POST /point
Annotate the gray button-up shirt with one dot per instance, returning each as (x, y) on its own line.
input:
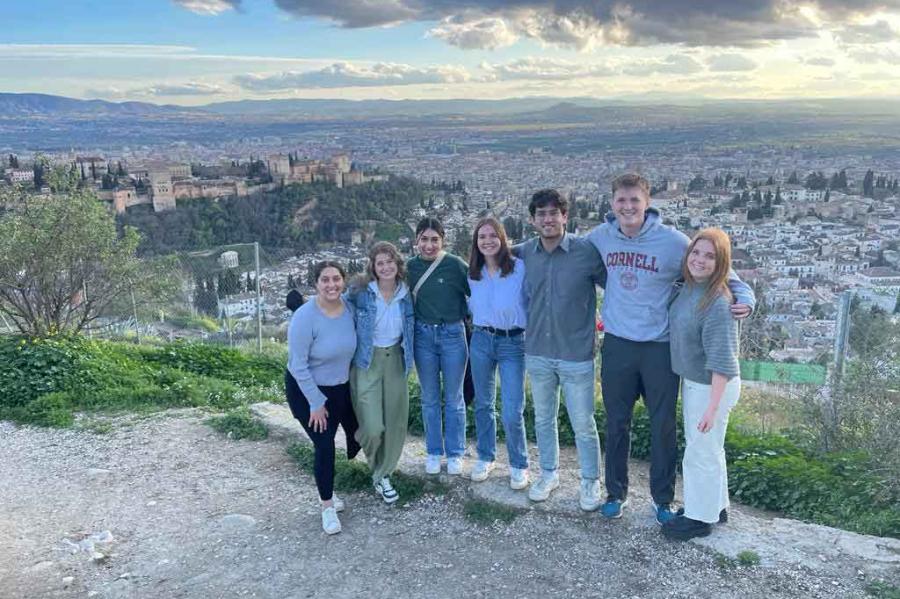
(562, 298)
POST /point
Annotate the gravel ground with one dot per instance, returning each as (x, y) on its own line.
(193, 514)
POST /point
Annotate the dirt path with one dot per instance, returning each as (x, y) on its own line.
(192, 514)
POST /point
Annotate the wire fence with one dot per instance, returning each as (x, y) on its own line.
(231, 295)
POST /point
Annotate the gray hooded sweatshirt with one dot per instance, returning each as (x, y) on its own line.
(641, 271)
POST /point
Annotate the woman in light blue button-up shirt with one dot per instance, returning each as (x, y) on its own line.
(498, 343)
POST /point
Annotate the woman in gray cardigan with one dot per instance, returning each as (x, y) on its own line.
(704, 351)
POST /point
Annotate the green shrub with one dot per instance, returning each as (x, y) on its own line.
(44, 381)
(748, 558)
(239, 424)
(219, 362)
(34, 367)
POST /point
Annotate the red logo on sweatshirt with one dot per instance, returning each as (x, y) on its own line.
(628, 280)
(631, 259)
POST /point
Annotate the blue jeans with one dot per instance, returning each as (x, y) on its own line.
(488, 353)
(577, 382)
(441, 352)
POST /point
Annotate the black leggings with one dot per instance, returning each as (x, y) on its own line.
(340, 412)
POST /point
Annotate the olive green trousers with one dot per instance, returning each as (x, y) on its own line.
(381, 402)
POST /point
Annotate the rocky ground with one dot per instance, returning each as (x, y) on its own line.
(163, 506)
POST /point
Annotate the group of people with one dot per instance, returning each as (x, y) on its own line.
(670, 312)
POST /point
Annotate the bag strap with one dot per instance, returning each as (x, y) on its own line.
(427, 274)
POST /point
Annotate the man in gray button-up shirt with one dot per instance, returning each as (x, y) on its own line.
(561, 272)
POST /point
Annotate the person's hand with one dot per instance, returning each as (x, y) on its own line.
(318, 420)
(708, 421)
(740, 311)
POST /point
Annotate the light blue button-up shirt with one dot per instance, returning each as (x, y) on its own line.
(499, 301)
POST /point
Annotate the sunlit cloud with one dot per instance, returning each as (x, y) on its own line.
(346, 74)
(208, 7)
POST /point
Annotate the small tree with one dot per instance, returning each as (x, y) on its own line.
(63, 263)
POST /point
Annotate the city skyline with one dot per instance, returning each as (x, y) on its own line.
(193, 52)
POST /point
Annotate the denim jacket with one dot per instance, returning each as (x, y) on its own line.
(363, 301)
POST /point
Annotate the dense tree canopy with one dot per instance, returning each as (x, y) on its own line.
(297, 216)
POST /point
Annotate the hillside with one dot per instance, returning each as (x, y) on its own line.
(298, 216)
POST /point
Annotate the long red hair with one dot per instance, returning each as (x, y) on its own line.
(718, 281)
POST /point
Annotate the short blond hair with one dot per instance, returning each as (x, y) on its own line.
(631, 180)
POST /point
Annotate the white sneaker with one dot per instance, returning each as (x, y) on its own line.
(432, 464)
(481, 470)
(330, 523)
(387, 490)
(454, 466)
(541, 488)
(589, 496)
(337, 503)
(518, 478)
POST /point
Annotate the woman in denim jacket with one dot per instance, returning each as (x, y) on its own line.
(384, 356)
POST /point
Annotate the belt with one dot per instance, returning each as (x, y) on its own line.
(501, 332)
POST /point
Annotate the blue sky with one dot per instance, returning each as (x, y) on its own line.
(199, 51)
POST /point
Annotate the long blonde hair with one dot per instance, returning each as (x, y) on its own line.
(718, 281)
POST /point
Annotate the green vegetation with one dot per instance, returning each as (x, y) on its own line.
(45, 381)
(239, 424)
(725, 562)
(354, 476)
(296, 216)
(63, 264)
(748, 558)
(882, 590)
(486, 513)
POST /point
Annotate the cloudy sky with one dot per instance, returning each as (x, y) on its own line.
(201, 51)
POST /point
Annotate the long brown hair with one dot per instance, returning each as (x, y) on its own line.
(476, 258)
(718, 281)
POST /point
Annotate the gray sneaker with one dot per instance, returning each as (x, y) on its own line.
(386, 490)
(330, 522)
(589, 495)
(541, 488)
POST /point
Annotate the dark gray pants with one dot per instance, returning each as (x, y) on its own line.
(631, 369)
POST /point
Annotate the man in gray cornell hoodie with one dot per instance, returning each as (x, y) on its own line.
(643, 259)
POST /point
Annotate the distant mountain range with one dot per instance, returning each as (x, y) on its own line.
(553, 109)
(47, 105)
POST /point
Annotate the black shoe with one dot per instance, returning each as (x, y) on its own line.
(353, 448)
(683, 528)
(723, 515)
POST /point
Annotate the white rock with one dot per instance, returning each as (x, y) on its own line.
(237, 521)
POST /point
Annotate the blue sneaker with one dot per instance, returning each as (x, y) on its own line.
(663, 512)
(612, 509)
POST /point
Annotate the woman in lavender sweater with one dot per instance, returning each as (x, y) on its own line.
(321, 343)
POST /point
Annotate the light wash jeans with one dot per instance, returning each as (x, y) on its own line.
(490, 352)
(705, 474)
(576, 379)
(441, 354)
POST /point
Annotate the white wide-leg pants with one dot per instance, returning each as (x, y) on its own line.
(704, 472)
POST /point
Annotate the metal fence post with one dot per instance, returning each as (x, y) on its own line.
(258, 300)
(842, 334)
(137, 324)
